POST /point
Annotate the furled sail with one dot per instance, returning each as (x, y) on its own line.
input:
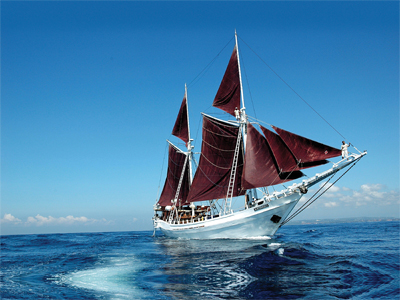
(308, 153)
(181, 127)
(176, 162)
(228, 95)
(217, 152)
(260, 166)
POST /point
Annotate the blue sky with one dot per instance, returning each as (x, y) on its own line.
(90, 92)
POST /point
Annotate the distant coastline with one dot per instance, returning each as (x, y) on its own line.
(343, 220)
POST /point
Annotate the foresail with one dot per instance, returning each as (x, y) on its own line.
(176, 162)
(228, 95)
(284, 157)
(181, 127)
(217, 152)
(308, 153)
(260, 166)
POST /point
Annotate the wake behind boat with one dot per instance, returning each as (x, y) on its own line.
(237, 160)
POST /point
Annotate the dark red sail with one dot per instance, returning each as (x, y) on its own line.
(217, 152)
(284, 157)
(228, 95)
(308, 153)
(181, 128)
(260, 167)
(176, 161)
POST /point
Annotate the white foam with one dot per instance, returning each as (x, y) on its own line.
(256, 238)
(274, 246)
(115, 277)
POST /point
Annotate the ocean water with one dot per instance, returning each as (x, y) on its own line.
(333, 261)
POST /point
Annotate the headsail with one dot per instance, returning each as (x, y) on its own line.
(308, 153)
(260, 166)
(181, 127)
(228, 95)
(284, 157)
(176, 162)
(217, 151)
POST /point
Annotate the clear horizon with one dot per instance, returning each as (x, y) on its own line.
(91, 90)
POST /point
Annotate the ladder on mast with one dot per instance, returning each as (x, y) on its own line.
(231, 186)
(171, 216)
(242, 127)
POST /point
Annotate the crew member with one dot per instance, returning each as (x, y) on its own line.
(345, 152)
(237, 113)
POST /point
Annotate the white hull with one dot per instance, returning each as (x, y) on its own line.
(256, 221)
(252, 222)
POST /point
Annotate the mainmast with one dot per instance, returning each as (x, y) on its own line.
(243, 116)
(189, 143)
(243, 113)
(242, 119)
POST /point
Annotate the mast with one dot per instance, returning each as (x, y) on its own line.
(181, 165)
(240, 75)
(243, 116)
(242, 135)
(189, 143)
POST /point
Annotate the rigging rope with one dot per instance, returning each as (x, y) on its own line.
(293, 89)
(209, 64)
(248, 86)
(162, 167)
(308, 203)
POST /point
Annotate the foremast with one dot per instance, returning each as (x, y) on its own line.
(179, 173)
(188, 160)
(189, 153)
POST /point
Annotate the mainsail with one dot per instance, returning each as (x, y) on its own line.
(176, 163)
(212, 176)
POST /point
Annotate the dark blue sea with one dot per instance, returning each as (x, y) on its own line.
(332, 261)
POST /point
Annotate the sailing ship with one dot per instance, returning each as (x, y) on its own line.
(237, 161)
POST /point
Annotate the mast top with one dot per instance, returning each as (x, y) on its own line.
(243, 109)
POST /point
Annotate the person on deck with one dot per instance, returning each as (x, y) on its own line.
(345, 152)
(237, 113)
